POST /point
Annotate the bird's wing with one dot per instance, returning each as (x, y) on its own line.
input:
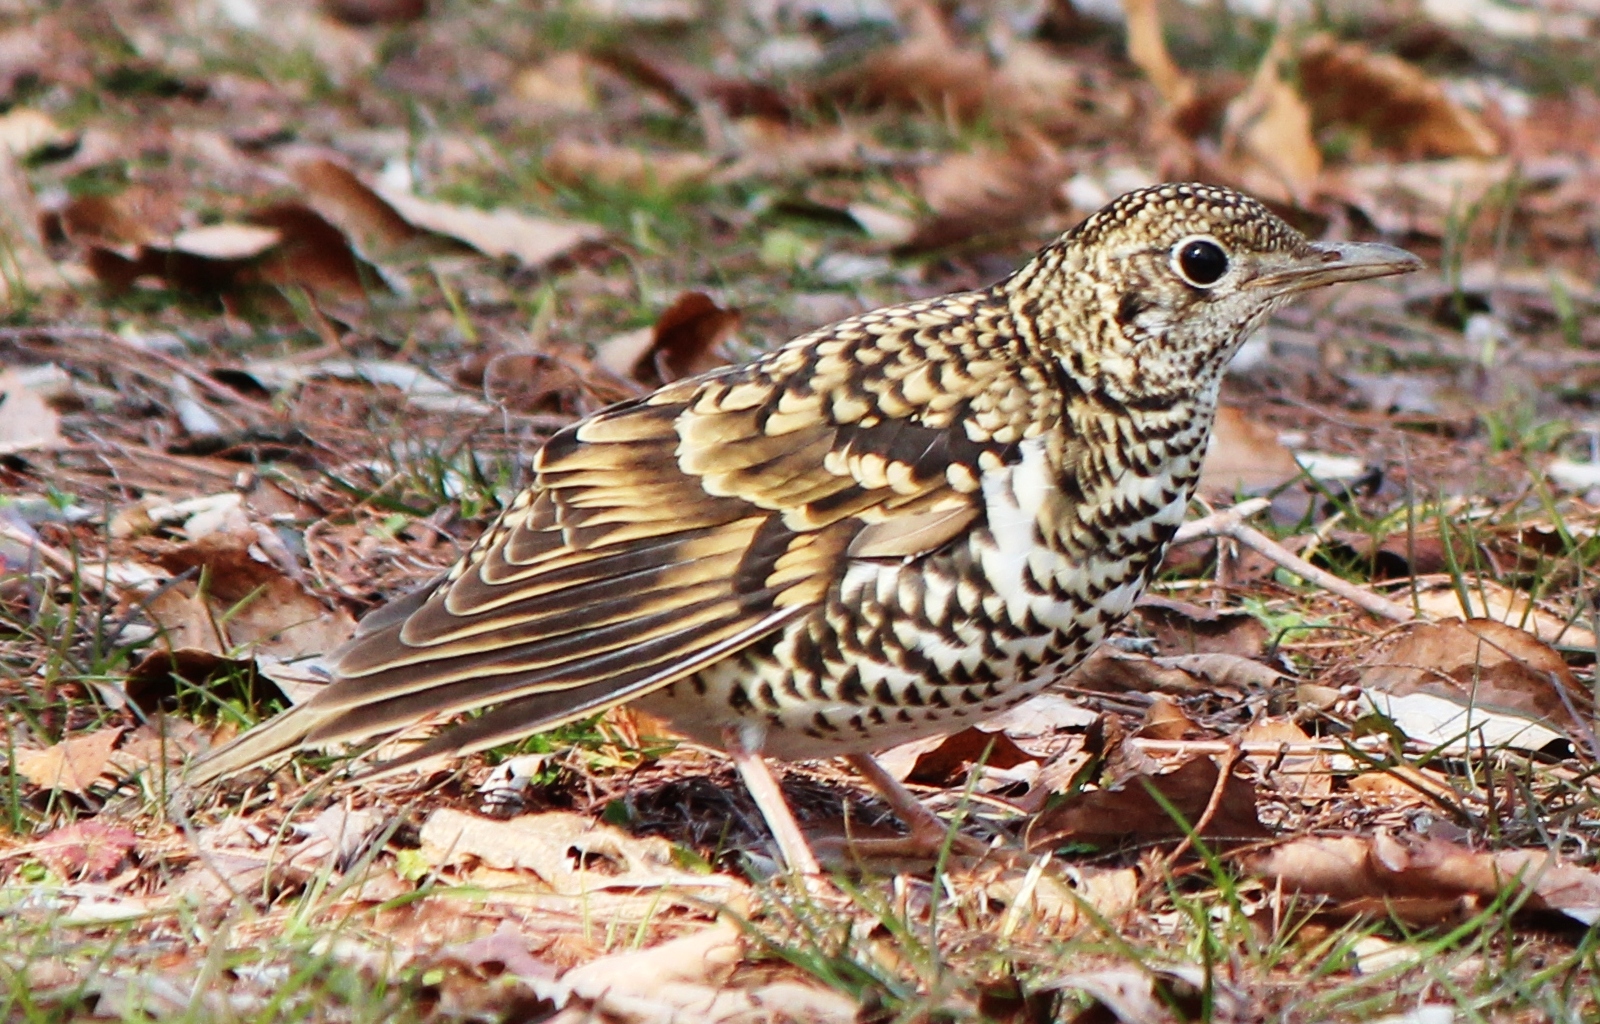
(665, 534)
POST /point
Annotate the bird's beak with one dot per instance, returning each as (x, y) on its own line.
(1331, 262)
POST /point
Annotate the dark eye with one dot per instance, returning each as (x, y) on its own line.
(1201, 262)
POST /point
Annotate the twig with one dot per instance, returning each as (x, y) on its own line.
(95, 579)
(1373, 744)
(1224, 773)
(1229, 523)
(176, 365)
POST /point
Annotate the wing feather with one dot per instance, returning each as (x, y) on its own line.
(659, 536)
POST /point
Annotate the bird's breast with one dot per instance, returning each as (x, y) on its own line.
(905, 648)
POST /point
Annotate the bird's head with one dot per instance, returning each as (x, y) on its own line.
(1157, 290)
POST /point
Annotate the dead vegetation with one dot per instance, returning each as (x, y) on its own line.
(292, 291)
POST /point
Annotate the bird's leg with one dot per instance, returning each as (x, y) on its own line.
(763, 787)
(928, 830)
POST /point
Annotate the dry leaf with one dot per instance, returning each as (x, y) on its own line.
(1305, 777)
(27, 421)
(1461, 685)
(225, 241)
(692, 978)
(25, 131)
(1266, 134)
(988, 192)
(1147, 48)
(1164, 720)
(1423, 197)
(948, 759)
(1183, 628)
(563, 84)
(1489, 599)
(376, 12)
(1058, 901)
(1244, 456)
(259, 608)
(72, 765)
(314, 254)
(1400, 108)
(531, 241)
(87, 851)
(533, 383)
(1480, 661)
(337, 194)
(568, 852)
(1425, 880)
(1128, 811)
(686, 339)
(575, 162)
(28, 266)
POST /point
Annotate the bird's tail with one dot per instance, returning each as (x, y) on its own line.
(279, 736)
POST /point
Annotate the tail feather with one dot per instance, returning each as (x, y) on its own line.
(279, 736)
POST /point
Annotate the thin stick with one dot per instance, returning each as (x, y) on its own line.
(1224, 773)
(1229, 523)
(95, 579)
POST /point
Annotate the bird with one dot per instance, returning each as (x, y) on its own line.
(885, 529)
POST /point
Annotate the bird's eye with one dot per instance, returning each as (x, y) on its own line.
(1200, 261)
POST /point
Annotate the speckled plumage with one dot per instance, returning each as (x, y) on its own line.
(894, 524)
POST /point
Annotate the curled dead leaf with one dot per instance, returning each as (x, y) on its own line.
(1128, 810)
(1398, 107)
(575, 162)
(71, 766)
(1478, 662)
(1423, 879)
(86, 851)
(1266, 134)
(1245, 456)
(686, 339)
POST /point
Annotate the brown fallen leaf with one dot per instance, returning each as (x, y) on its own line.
(1266, 134)
(1394, 103)
(336, 193)
(1057, 902)
(1244, 456)
(568, 852)
(1128, 811)
(697, 978)
(1481, 662)
(1147, 48)
(87, 851)
(29, 266)
(27, 421)
(574, 162)
(263, 608)
(1108, 670)
(534, 383)
(690, 86)
(1184, 628)
(948, 762)
(1164, 720)
(988, 193)
(314, 254)
(71, 766)
(1441, 598)
(686, 340)
(562, 85)
(1425, 880)
(501, 233)
(376, 12)
(1307, 778)
(1424, 196)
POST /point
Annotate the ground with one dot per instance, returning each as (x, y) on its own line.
(292, 292)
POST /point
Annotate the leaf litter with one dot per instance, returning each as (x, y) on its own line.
(293, 294)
